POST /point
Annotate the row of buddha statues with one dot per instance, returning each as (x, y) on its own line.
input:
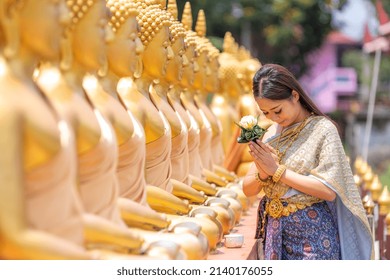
(110, 148)
(376, 201)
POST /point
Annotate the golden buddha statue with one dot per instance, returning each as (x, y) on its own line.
(179, 143)
(40, 214)
(136, 98)
(211, 85)
(96, 139)
(225, 105)
(179, 131)
(188, 101)
(180, 176)
(124, 25)
(155, 101)
(174, 93)
(197, 115)
(238, 158)
(123, 50)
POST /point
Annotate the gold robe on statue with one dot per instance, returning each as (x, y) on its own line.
(52, 203)
(179, 157)
(131, 166)
(98, 185)
(158, 163)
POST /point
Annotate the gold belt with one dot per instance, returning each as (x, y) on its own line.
(275, 208)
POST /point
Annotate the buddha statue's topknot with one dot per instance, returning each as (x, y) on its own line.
(151, 19)
(200, 28)
(78, 8)
(191, 37)
(176, 28)
(120, 10)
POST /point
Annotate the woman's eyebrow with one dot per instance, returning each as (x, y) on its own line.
(272, 108)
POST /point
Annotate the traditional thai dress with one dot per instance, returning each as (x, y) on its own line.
(305, 227)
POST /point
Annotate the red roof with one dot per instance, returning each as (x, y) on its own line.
(382, 15)
(367, 34)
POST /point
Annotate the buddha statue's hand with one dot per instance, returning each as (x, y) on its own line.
(141, 216)
(101, 233)
(39, 245)
(165, 202)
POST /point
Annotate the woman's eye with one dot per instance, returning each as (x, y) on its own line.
(278, 112)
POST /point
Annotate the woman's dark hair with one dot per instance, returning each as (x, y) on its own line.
(275, 82)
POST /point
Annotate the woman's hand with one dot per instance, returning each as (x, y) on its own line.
(264, 157)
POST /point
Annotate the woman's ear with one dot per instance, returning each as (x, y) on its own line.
(295, 95)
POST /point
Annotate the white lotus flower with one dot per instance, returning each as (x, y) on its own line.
(248, 122)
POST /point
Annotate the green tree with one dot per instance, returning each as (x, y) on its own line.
(281, 31)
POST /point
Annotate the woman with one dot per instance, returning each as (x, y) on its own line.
(311, 208)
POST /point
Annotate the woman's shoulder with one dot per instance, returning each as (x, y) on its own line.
(323, 125)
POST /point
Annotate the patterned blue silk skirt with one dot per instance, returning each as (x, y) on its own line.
(308, 234)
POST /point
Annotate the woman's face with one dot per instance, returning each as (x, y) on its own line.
(285, 112)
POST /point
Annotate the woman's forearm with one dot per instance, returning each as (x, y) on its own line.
(308, 185)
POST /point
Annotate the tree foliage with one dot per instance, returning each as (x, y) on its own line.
(282, 31)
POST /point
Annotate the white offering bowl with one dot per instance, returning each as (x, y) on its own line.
(234, 240)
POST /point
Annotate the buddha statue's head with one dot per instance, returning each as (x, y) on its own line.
(248, 68)
(229, 44)
(211, 84)
(201, 69)
(125, 50)
(190, 64)
(202, 59)
(230, 79)
(86, 34)
(154, 34)
(37, 25)
(177, 33)
(230, 48)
